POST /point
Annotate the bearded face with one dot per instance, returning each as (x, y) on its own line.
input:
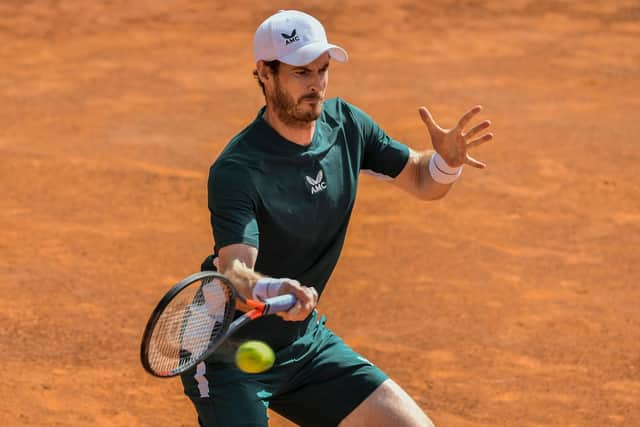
(295, 112)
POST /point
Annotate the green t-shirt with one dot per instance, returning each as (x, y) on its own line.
(293, 203)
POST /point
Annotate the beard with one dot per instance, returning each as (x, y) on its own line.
(296, 113)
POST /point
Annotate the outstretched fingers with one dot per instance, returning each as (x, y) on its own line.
(428, 120)
(479, 141)
(474, 163)
(477, 129)
(466, 118)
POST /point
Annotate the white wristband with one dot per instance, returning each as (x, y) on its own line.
(267, 287)
(441, 172)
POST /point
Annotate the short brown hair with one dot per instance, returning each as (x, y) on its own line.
(274, 66)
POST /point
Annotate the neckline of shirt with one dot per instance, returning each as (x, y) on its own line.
(278, 142)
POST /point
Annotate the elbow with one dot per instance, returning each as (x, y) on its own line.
(434, 195)
(438, 196)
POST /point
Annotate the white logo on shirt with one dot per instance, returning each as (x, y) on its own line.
(318, 184)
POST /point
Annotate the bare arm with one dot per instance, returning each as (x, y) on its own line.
(237, 262)
(244, 254)
(452, 145)
(415, 178)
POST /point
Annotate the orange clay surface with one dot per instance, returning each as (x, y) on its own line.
(514, 301)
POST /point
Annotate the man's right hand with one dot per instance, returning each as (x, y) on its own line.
(307, 296)
(307, 300)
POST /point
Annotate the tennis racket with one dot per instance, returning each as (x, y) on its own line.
(194, 318)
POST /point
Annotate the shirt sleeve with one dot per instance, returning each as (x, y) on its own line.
(232, 204)
(381, 153)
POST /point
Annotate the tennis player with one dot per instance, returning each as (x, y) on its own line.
(280, 196)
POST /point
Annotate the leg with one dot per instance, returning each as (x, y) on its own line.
(328, 380)
(387, 406)
(226, 397)
(334, 386)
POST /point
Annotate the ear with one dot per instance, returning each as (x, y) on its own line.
(264, 73)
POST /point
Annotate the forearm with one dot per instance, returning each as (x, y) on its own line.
(243, 278)
(237, 262)
(416, 179)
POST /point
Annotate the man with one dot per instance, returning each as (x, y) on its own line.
(280, 197)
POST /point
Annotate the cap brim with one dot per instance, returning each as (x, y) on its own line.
(312, 51)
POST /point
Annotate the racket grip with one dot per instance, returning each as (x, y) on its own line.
(279, 303)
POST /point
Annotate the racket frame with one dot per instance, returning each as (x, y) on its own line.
(164, 303)
(230, 326)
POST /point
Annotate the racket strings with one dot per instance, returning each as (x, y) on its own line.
(192, 321)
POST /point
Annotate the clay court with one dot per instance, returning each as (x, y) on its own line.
(514, 301)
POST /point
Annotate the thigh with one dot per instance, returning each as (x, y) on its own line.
(329, 385)
(387, 406)
(226, 397)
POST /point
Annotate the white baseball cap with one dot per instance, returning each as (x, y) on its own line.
(295, 38)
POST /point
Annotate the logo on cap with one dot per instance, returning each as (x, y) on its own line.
(290, 38)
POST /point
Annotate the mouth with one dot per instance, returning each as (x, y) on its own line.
(313, 99)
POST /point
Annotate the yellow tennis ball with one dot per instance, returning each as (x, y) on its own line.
(254, 357)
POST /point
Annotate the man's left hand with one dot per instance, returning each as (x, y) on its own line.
(453, 144)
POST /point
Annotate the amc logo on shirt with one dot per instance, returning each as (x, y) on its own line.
(316, 184)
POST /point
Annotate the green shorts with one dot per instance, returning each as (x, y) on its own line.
(316, 381)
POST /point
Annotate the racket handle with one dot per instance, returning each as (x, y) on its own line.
(279, 303)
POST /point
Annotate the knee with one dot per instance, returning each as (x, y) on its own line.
(410, 411)
(389, 405)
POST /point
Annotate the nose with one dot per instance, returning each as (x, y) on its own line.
(317, 83)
